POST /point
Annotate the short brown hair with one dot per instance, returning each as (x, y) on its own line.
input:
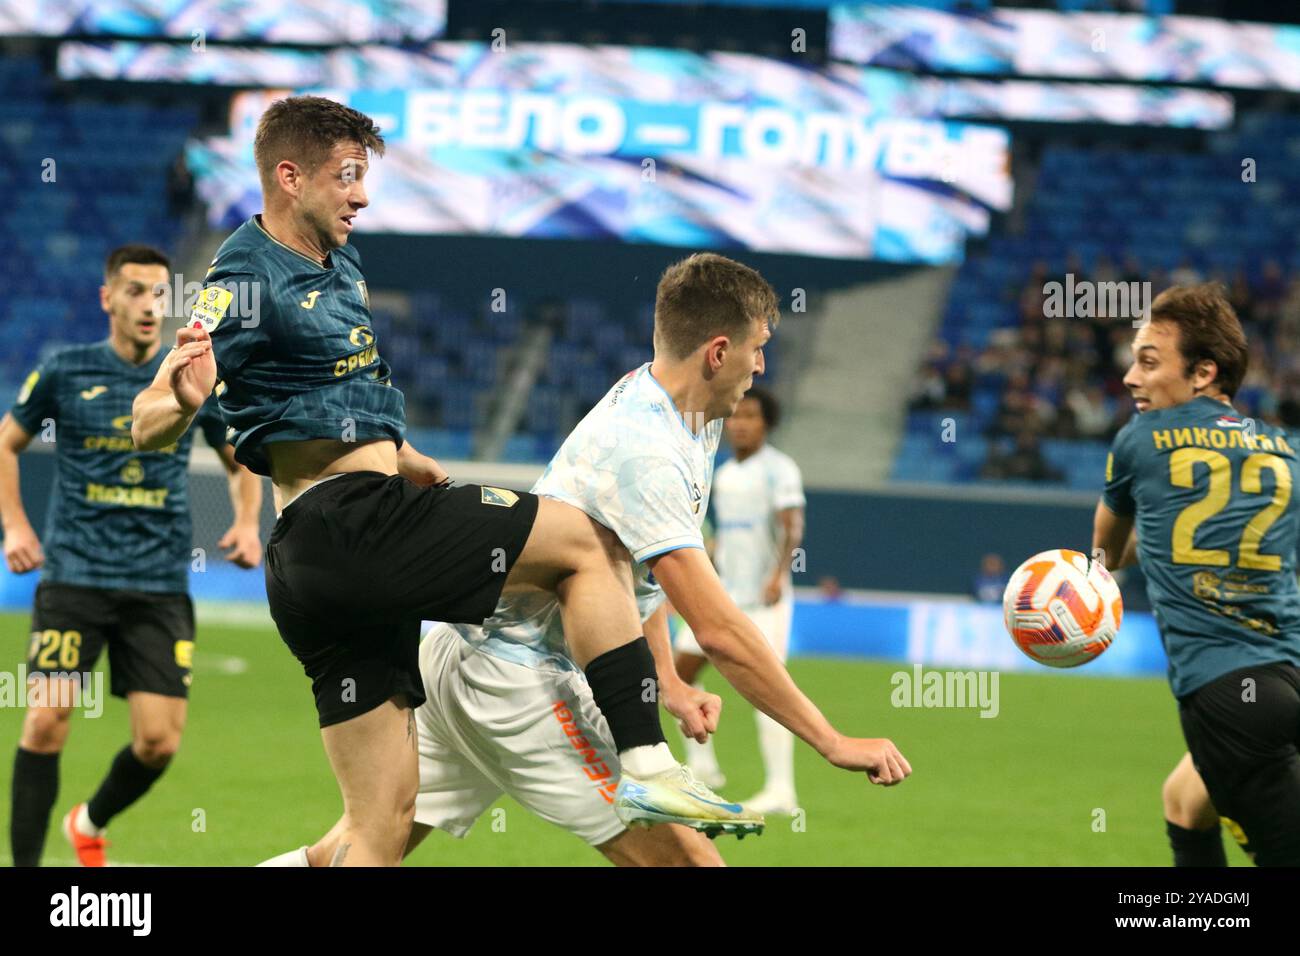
(1208, 329)
(133, 253)
(706, 295)
(303, 130)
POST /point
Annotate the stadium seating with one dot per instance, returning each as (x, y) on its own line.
(81, 178)
(1162, 210)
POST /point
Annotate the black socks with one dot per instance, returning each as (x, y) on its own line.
(1196, 847)
(35, 788)
(625, 685)
(127, 781)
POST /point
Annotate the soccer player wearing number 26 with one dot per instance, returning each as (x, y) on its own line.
(371, 538)
(1212, 498)
(116, 558)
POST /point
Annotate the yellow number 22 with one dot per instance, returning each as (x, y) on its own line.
(1182, 475)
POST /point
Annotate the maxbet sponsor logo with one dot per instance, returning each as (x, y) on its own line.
(132, 910)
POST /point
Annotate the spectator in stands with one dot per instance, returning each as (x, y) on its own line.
(1024, 462)
(930, 390)
(988, 585)
(957, 386)
(1089, 411)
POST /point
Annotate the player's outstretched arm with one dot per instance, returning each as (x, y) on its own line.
(22, 546)
(162, 412)
(1114, 535)
(741, 654)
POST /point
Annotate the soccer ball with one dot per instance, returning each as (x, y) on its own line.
(1062, 608)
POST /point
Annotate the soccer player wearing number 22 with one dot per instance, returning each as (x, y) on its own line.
(371, 538)
(116, 557)
(1212, 500)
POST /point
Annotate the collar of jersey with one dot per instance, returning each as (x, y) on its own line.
(671, 403)
(149, 367)
(262, 229)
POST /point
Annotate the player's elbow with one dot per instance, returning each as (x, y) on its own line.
(145, 435)
(139, 436)
(721, 640)
(145, 438)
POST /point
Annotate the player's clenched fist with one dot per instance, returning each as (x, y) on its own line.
(878, 756)
(23, 550)
(191, 368)
(696, 710)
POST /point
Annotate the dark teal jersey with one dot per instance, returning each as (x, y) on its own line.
(296, 354)
(1217, 524)
(118, 518)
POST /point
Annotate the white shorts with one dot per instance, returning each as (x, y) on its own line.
(773, 620)
(491, 727)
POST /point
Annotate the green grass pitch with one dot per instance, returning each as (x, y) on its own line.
(1024, 788)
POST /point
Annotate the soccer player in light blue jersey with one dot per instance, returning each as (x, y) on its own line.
(507, 711)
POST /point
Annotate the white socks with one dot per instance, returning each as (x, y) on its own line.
(776, 744)
(646, 761)
(296, 857)
(701, 758)
(83, 825)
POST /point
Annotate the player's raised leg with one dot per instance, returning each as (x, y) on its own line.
(35, 784)
(590, 572)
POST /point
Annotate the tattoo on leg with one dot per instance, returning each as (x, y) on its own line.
(410, 727)
(340, 854)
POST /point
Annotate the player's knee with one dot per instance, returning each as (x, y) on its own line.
(45, 729)
(1184, 806)
(156, 748)
(599, 547)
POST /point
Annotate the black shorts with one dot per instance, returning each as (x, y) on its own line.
(149, 636)
(357, 562)
(1243, 731)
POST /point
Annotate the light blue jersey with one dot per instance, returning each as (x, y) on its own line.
(633, 465)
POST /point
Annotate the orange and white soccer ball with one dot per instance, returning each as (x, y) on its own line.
(1062, 608)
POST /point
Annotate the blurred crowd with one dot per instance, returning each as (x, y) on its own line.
(1062, 377)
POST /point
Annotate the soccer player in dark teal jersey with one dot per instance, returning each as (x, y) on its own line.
(1206, 503)
(371, 537)
(116, 557)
